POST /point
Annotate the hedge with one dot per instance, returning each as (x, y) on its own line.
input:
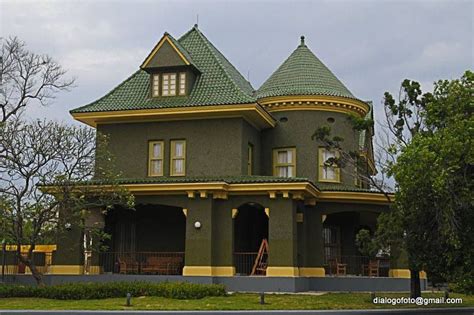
(88, 291)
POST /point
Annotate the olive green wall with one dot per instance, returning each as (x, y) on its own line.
(166, 56)
(214, 147)
(310, 243)
(252, 136)
(297, 132)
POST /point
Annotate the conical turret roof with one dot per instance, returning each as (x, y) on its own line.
(303, 73)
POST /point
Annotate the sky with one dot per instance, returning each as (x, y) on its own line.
(371, 46)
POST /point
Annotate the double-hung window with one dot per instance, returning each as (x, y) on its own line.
(328, 170)
(250, 159)
(178, 158)
(155, 90)
(182, 83)
(155, 158)
(284, 162)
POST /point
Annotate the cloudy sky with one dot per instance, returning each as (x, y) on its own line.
(370, 45)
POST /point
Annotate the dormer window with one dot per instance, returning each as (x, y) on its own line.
(169, 84)
(182, 83)
(156, 85)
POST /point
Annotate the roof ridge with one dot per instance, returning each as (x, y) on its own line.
(109, 93)
(213, 50)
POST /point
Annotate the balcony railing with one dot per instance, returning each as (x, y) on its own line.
(158, 263)
(244, 262)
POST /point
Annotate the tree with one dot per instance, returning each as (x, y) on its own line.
(434, 173)
(64, 158)
(27, 77)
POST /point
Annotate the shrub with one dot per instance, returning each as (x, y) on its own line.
(87, 291)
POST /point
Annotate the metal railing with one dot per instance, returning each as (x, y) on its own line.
(357, 266)
(244, 262)
(158, 263)
(11, 264)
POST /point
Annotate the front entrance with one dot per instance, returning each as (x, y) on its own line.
(250, 229)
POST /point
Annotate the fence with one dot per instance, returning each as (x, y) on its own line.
(244, 262)
(11, 264)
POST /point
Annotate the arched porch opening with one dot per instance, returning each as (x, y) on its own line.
(250, 229)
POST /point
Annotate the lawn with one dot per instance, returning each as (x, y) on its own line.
(237, 301)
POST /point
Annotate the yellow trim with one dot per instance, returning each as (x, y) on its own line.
(276, 165)
(370, 162)
(312, 272)
(174, 157)
(404, 273)
(235, 212)
(152, 158)
(283, 271)
(267, 212)
(158, 46)
(315, 102)
(253, 113)
(358, 197)
(38, 248)
(321, 166)
(66, 269)
(310, 191)
(224, 271)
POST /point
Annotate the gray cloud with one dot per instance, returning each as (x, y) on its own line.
(370, 45)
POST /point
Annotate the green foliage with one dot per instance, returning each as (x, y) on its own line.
(89, 291)
(360, 124)
(366, 244)
(433, 217)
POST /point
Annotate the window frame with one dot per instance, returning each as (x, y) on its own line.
(173, 157)
(321, 166)
(183, 82)
(276, 165)
(157, 76)
(250, 159)
(168, 88)
(152, 158)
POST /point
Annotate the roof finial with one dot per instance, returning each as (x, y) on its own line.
(197, 21)
(302, 40)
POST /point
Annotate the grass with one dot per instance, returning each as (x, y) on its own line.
(237, 301)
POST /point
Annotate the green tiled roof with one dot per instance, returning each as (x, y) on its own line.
(342, 187)
(303, 74)
(219, 82)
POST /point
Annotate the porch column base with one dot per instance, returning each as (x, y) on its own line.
(312, 272)
(404, 273)
(66, 269)
(209, 271)
(283, 271)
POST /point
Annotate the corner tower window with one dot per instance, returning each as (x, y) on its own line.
(328, 171)
(284, 162)
(169, 84)
(155, 89)
(182, 83)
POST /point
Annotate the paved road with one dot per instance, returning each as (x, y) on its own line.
(443, 311)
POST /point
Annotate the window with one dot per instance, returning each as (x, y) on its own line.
(155, 158)
(155, 89)
(328, 173)
(182, 83)
(250, 159)
(169, 84)
(284, 162)
(178, 158)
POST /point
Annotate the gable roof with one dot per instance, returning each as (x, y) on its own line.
(219, 82)
(302, 73)
(180, 51)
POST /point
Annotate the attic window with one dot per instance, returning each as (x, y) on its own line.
(156, 85)
(169, 84)
(182, 83)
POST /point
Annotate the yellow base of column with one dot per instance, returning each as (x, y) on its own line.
(312, 272)
(404, 273)
(209, 271)
(66, 269)
(94, 270)
(283, 272)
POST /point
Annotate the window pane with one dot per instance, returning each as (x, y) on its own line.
(290, 171)
(179, 166)
(282, 171)
(156, 167)
(157, 150)
(179, 149)
(282, 157)
(290, 156)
